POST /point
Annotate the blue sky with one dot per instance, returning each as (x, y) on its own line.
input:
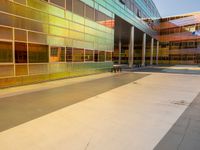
(176, 7)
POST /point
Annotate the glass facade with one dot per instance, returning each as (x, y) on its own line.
(49, 39)
(180, 41)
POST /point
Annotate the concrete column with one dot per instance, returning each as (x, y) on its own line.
(144, 49)
(157, 52)
(131, 47)
(152, 47)
(120, 51)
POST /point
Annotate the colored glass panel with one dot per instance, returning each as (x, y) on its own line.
(38, 53)
(6, 53)
(20, 52)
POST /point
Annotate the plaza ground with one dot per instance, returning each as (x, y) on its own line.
(152, 108)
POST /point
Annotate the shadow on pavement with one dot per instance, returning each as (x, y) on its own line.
(19, 109)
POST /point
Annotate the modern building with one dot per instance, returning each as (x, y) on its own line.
(180, 39)
(43, 40)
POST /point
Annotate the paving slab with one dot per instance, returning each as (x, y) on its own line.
(133, 116)
(185, 133)
(18, 90)
(18, 109)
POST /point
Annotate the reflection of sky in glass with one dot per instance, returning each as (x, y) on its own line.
(187, 20)
(176, 7)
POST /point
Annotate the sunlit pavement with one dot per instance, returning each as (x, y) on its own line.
(143, 112)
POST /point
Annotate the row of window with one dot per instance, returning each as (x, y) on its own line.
(21, 35)
(46, 14)
(36, 53)
(91, 37)
(135, 8)
(70, 31)
(152, 7)
(81, 9)
(181, 57)
(180, 45)
(189, 28)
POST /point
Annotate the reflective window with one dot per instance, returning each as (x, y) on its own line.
(108, 56)
(99, 16)
(6, 33)
(59, 2)
(6, 70)
(57, 54)
(89, 55)
(69, 5)
(38, 53)
(6, 52)
(78, 7)
(37, 38)
(89, 12)
(78, 55)
(68, 54)
(21, 1)
(101, 55)
(96, 56)
(103, 19)
(20, 35)
(21, 69)
(20, 52)
(6, 19)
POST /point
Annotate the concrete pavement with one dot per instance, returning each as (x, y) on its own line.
(49, 85)
(177, 69)
(18, 109)
(134, 116)
(185, 133)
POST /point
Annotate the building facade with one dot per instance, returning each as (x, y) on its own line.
(43, 40)
(180, 39)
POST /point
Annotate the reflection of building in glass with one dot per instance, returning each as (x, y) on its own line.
(43, 40)
(180, 39)
(49, 39)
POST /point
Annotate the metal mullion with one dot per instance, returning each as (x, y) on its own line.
(93, 55)
(13, 50)
(84, 55)
(104, 56)
(28, 61)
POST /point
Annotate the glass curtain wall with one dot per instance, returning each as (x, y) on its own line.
(44, 38)
(179, 39)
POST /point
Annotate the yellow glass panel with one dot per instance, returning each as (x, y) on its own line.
(6, 70)
(38, 5)
(53, 30)
(78, 19)
(77, 27)
(21, 70)
(37, 37)
(83, 44)
(20, 35)
(90, 30)
(90, 23)
(56, 11)
(58, 21)
(6, 33)
(68, 42)
(76, 35)
(45, 7)
(89, 38)
(68, 15)
(56, 41)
